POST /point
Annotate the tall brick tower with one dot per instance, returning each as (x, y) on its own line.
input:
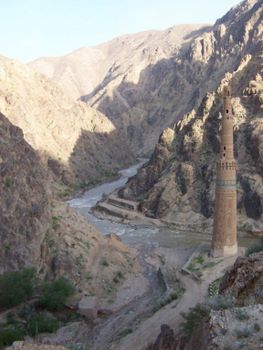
(224, 242)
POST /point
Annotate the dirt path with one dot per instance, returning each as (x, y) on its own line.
(196, 292)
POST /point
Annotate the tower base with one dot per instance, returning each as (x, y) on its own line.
(225, 251)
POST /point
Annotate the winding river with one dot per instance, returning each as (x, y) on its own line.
(133, 233)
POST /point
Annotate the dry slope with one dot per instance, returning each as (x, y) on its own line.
(129, 81)
(78, 142)
(178, 182)
(37, 230)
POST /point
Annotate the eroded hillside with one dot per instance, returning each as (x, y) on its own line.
(38, 231)
(78, 143)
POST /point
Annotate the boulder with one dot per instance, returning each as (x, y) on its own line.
(88, 307)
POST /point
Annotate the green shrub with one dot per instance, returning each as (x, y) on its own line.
(10, 334)
(56, 222)
(55, 294)
(42, 323)
(8, 182)
(118, 277)
(199, 259)
(16, 287)
(193, 318)
(255, 248)
(213, 288)
(220, 302)
(241, 315)
(104, 262)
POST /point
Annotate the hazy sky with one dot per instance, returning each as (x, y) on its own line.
(34, 28)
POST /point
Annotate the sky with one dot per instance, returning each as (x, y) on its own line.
(35, 28)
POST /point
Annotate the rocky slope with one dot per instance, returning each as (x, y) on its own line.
(131, 79)
(177, 184)
(78, 143)
(232, 320)
(150, 80)
(36, 230)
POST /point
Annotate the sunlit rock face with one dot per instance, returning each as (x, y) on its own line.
(182, 190)
(147, 81)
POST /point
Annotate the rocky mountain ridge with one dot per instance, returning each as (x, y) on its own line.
(77, 142)
(177, 184)
(155, 78)
(130, 68)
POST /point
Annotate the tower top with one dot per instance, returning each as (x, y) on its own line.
(227, 91)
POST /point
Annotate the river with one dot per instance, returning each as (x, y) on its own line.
(133, 233)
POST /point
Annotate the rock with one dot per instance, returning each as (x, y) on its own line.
(243, 282)
(88, 307)
(105, 312)
(24, 202)
(166, 340)
(224, 329)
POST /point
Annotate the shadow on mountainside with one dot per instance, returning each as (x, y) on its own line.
(98, 156)
(172, 87)
(185, 168)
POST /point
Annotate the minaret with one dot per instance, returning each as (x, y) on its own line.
(224, 242)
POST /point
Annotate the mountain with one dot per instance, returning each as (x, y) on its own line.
(78, 143)
(81, 71)
(178, 182)
(37, 230)
(128, 79)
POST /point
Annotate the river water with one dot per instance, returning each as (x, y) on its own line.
(132, 233)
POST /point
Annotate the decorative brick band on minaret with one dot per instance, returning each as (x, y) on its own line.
(224, 242)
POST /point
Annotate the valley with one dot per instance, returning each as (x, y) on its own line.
(112, 160)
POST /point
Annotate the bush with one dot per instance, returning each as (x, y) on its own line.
(10, 334)
(42, 323)
(118, 277)
(242, 315)
(213, 288)
(16, 287)
(199, 259)
(55, 294)
(255, 248)
(193, 318)
(220, 302)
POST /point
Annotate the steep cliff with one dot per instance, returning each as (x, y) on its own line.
(24, 214)
(36, 230)
(177, 184)
(78, 143)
